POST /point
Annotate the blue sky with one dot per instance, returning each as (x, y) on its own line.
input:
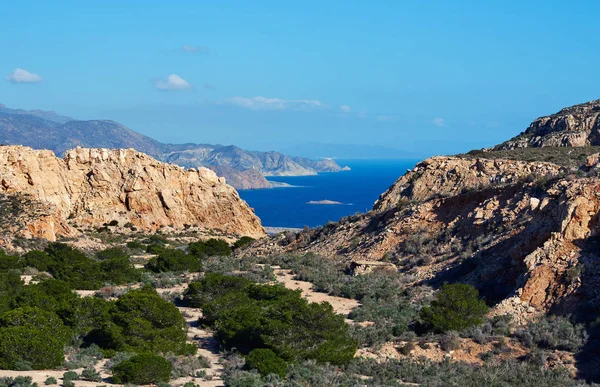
(424, 76)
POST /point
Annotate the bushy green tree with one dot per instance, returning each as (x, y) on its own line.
(32, 336)
(50, 294)
(41, 319)
(209, 248)
(273, 317)
(212, 286)
(74, 267)
(456, 307)
(119, 270)
(9, 262)
(38, 259)
(143, 369)
(142, 321)
(11, 286)
(266, 362)
(87, 314)
(174, 260)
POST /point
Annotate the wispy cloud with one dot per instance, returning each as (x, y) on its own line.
(438, 122)
(195, 49)
(385, 118)
(345, 108)
(172, 83)
(264, 103)
(23, 76)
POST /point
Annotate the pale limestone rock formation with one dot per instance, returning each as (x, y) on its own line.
(90, 187)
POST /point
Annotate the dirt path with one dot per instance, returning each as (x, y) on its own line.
(340, 305)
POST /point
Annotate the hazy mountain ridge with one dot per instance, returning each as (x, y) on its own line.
(47, 130)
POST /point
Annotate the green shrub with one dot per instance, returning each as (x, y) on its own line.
(36, 318)
(73, 267)
(19, 381)
(31, 336)
(50, 380)
(553, 332)
(84, 357)
(90, 374)
(174, 260)
(211, 287)
(266, 362)
(210, 248)
(50, 294)
(243, 241)
(11, 286)
(135, 245)
(9, 262)
(143, 369)
(143, 322)
(70, 375)
(456, 307)
(87, 314)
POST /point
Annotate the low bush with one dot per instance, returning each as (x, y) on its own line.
(243, 241)
(209, 248)
(90, 374)
(174, 260)
(143, 369)
(456, 307)
(266, 362)
(553, 332)
(70, 375)
(50, 380)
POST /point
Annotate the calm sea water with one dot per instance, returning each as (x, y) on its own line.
(357, 189)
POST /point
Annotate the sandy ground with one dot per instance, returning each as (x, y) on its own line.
(340, 305)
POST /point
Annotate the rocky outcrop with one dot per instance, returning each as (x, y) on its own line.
(449, 176)
(574, 126)
(91, 187)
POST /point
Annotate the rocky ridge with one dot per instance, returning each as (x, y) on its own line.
(575, 126)
(91, 187)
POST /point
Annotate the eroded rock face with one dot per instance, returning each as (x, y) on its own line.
(90, 187)
(448, 176)
(574, 126)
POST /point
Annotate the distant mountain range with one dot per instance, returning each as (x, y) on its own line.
(243, 169)
(348, 151)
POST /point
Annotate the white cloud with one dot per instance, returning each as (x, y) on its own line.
(172, 82)
(23, 76)
(345, 108)
(195, 49)
(439, 122)
(264, 103)
(386, 118)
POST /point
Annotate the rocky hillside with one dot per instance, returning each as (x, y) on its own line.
(89, 188)
(574, 126)
(524, 231)
(243, 169)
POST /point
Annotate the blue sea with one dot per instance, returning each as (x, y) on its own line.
(356, 189)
